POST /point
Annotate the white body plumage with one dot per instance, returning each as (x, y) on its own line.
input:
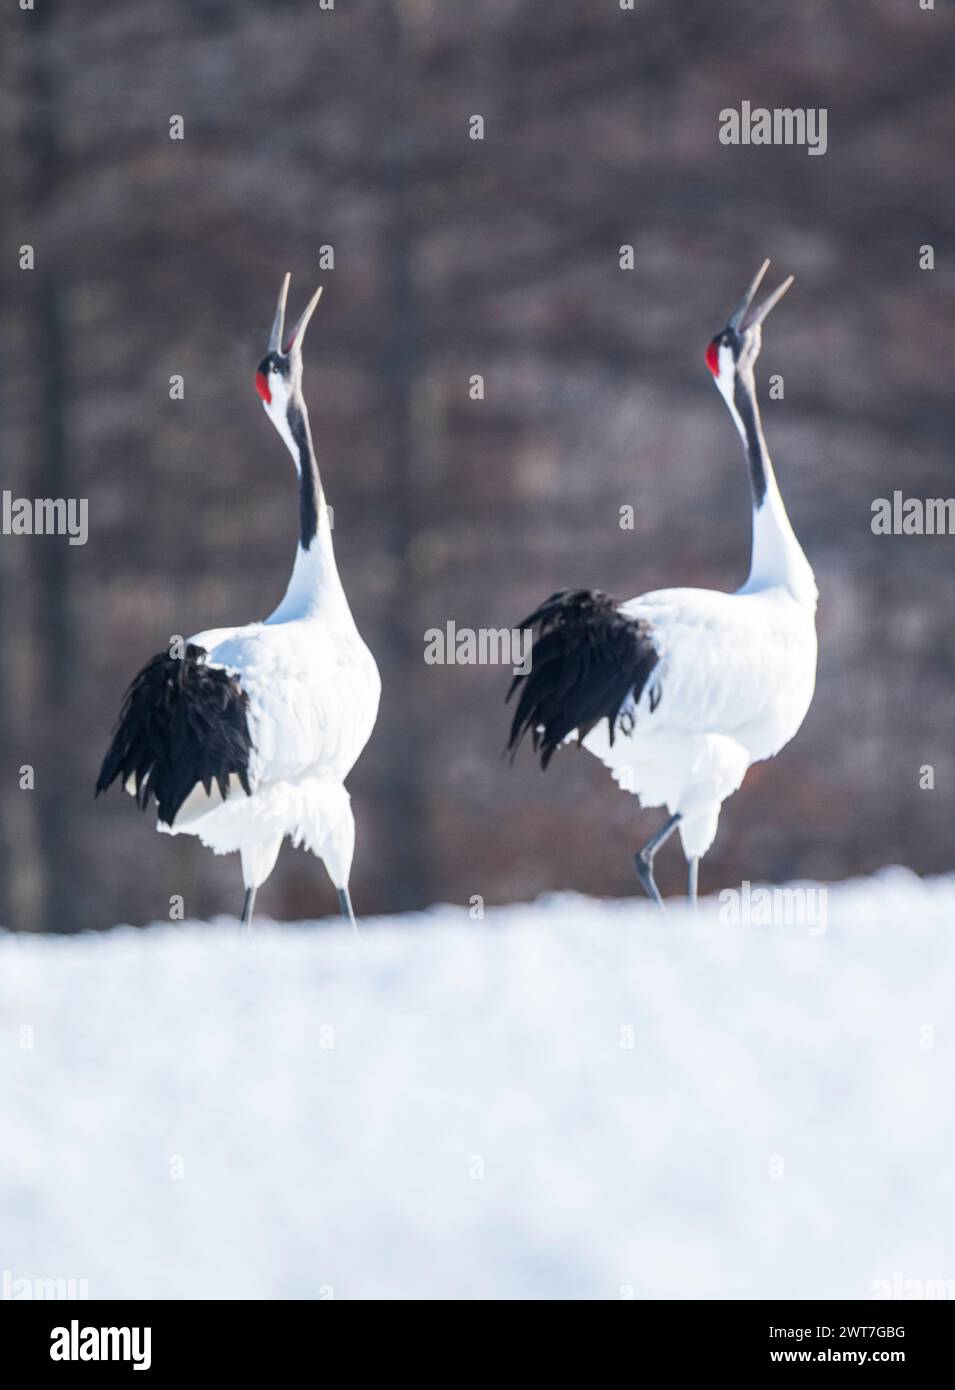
(734, 680)
(313, 690)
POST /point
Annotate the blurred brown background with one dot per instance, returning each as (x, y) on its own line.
(349, 127)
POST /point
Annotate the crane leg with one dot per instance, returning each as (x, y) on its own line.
(693, 879)
(344, 902)
(247, 910)
(644, 859)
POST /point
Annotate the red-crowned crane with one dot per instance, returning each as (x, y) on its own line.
(246, 735)
(679, 691)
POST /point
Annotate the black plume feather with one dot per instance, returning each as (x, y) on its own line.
(586, 659)
(182, 723)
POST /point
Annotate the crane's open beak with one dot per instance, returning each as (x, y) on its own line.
(740, 312)
(278, 323)
(294, 339)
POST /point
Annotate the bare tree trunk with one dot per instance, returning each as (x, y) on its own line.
(56, 774)
(400, 735)
(21, 867)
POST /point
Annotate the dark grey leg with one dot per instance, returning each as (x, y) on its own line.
(344, 902)
(247, 910)
(644, 860)
(694, 878)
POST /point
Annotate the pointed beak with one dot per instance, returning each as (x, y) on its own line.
(278, 323)
(298, 332)
(770, 303)
(741, 310)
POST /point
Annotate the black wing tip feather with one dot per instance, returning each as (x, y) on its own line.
(586, 660)
(182, 724)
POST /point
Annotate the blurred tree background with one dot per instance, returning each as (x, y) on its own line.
(348, 127)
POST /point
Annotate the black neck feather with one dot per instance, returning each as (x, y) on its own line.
(744, 400)
(310, 487)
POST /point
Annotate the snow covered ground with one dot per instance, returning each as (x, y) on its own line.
(567, 1099)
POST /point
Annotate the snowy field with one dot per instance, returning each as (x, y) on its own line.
(569, 1099)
